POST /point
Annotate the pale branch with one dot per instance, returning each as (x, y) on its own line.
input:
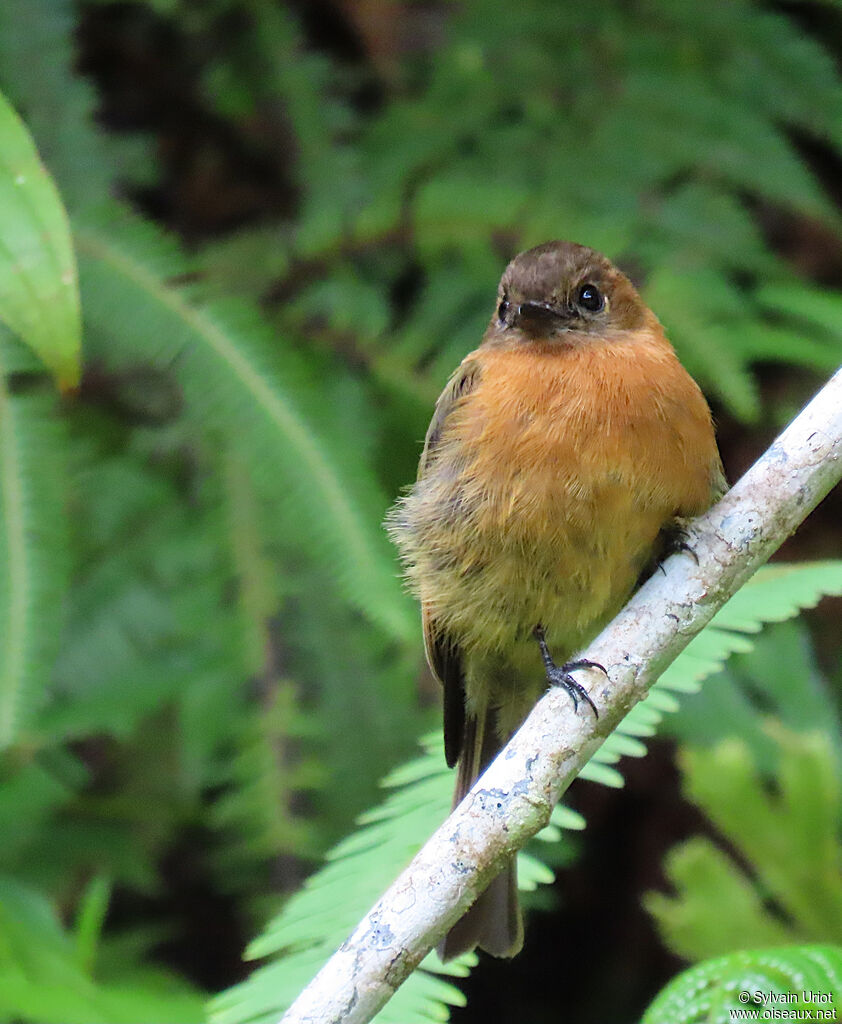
(513, 799)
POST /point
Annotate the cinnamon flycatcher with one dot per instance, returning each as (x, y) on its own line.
(562, 456)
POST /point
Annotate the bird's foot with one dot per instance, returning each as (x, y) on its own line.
(561, 675)
(675, 541)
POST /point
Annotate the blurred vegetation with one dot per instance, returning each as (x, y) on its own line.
(288, 221)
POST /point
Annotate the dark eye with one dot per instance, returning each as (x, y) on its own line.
(590, 298)
(502, 310)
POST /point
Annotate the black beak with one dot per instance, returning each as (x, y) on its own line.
(537, 315)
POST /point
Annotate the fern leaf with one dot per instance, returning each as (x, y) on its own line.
(789, 838)
(772, 595)
(38, 55)
(42, 982)
(32, 549)
(806, 980)
(805, 305)
(250, 389)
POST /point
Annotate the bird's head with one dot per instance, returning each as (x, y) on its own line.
(561, 291)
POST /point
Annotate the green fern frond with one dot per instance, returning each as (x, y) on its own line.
(32, 548)
(801, 979)
(774, 594)
(283, 69)
(30, 799)
(248, 388)
(806, 306)
(789, 837)
(147, 579)
(38, 57)
(680, 106)
(682, 122)
(42, 979)
(318, 918)
(683, 106)
(256, 812)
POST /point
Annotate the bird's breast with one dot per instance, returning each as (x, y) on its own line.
(549, 486)
(580, 439)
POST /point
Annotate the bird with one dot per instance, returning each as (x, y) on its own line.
(563, 460)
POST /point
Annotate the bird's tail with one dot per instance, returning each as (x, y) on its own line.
(494, 922)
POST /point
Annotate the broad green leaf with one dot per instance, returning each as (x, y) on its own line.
(39, 292)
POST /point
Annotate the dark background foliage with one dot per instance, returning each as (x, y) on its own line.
(234, 667)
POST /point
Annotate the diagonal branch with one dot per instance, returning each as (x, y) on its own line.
(514, 798)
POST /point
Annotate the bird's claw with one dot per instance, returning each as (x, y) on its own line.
(561, 675)
(677, 538)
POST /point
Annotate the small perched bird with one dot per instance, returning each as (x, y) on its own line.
(561, 459)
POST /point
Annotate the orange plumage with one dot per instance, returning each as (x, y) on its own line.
(561, 453)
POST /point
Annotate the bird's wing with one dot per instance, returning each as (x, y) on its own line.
(443, 654)
(718, 482)
(461, 384)
(673, 535)
(445, 661)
